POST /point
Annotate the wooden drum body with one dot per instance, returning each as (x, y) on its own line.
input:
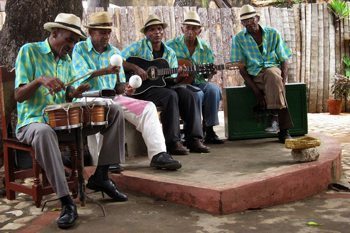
(95, 113)
(64, 116)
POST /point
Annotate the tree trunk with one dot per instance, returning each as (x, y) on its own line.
(98, 3)
(24, 23)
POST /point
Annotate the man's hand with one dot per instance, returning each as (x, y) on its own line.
(54, 85)
(76, 93)
(129, 90)
(112, 69)
(140, 72)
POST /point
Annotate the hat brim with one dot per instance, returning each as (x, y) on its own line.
(98, 27)
(192, 23)
(248, 16)
(151, 24)
(49, 26)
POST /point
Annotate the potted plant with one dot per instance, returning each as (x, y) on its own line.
(340, 91)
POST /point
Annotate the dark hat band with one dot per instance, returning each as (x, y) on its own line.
(248, 13)
(100, 24)
(72, 26)
(192, 21)
(160, 22)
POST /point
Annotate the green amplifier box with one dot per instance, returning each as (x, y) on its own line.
(242, 122)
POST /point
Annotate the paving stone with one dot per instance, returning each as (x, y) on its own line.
(4, 208)
(4, 218)
(16, 213)
(9, 202)
(35, 211)
(23, 205)
(24, 219)
(11, 226)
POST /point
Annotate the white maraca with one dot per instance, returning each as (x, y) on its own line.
(116, 60)
(135, 81)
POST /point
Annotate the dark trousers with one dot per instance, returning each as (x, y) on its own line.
(175, 103)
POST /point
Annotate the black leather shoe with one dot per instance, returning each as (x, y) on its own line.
(283, 135)
(115, 168)
(67, 217)
(106, 186)
(195, 145)
(164, 161)
(178, 149)
(213, 139)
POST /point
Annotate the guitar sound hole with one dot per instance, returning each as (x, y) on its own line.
(152, 73)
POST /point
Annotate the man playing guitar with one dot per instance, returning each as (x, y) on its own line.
(175, 102)
(192, 48)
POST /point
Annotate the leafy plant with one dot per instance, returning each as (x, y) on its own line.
(341, 87)
(346, 61)
(339, 8)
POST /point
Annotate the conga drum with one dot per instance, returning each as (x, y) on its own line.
(95, 113)
(64, 116)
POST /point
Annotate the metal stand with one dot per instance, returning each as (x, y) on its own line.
(81, 182)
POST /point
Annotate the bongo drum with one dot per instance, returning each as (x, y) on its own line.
(95, 113)
(64, 116)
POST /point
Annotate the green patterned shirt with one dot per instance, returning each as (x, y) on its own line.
(245, 49)
(86, 58)
(143, 49)
(35, 60)
(203, 54)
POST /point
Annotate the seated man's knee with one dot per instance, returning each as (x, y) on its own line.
(44, 131)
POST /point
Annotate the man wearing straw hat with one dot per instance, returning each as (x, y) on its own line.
(173, 101)
(190, 47)
(263, 56)
(44, 67)
(94, 54)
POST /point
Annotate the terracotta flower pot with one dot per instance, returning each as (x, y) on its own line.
(334, 106)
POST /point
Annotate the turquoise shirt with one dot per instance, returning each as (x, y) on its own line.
(143, 49)
(203, 54)
(35, 60)
(245, 49)
(86, 59)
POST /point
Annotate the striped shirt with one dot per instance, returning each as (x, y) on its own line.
(35, 60)
(245, 49)
(203, 54)
(87, 59)
(143, 49)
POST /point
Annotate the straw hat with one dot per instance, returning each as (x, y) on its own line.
(192, 18)
(246, 12)
(99, 20)
(66, 21)
(153, 20)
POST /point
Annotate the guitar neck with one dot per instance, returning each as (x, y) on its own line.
(220, 67)
(166, 71)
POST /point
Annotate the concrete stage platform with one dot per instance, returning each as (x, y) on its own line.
(235, 176)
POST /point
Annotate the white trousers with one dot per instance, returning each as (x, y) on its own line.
(147, 123)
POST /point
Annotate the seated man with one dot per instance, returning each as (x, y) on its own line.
(94, 55)
(262, 57)
(44, 67)
(194, 49)
(173, 101)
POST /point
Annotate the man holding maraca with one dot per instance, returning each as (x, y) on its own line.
(97, 55)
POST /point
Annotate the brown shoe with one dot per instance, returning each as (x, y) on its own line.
(197, 146)
(178, 149)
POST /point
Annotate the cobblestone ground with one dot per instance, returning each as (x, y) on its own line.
(18, 213)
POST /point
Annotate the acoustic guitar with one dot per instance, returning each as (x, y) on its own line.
(158, 70)
(206, 69)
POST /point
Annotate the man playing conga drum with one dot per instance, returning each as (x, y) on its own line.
(44, 67)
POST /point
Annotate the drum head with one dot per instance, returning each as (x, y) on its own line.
(62, 106)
